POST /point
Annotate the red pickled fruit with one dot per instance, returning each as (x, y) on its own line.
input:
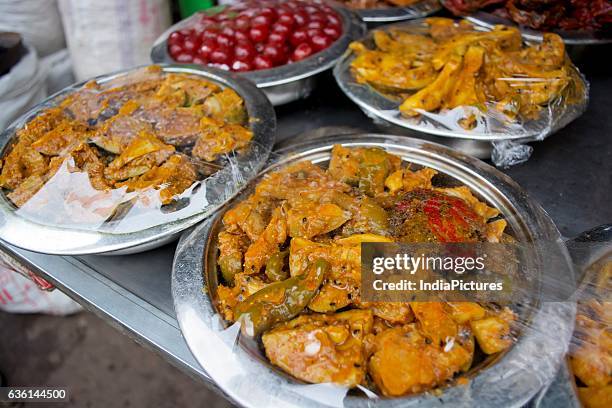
(244, 51)
(275, 53)
(206, 50)
(320, 42)
(190, 45)
(315, 24)
(286, 20)
(302, 51)
(269, 12)
(242, 36)
(228, 31)
(313, 32)
(242, 23)
(332, 32)
(262, 62)
(320, 17)
(225, 41)
(311, 9)
(220, 56)
(241, 66)
(261, 20)
(259, 34)
(210, 34)
(300, 18)
(175, 50)
(175, 38)
(283, 29)
(277, 38)
(298, 37)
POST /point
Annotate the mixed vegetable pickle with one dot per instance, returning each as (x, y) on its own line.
(590, 355)
(290, 268)
(446, 64)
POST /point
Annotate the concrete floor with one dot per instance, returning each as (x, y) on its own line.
(100, 366)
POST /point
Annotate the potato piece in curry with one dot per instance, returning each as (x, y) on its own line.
(289, 257)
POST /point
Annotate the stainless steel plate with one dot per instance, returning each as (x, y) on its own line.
(590, 251)
(392, 14)
(384, 110)
(218, 188)
(289, 82)
(488, 20)
(576, 37)
(242, 372)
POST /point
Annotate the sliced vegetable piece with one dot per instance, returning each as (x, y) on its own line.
(280, 301)
(492, 333)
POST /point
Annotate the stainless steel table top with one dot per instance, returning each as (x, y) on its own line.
(570, 175)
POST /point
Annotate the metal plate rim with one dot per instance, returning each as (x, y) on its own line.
(393, 14)
(488, 20)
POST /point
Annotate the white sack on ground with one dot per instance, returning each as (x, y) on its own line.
(21, 88)
(38, 22)
(106, 36)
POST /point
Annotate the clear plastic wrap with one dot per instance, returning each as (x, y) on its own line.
(584, 379)
(237, 364)
(451, 79)
(130, 158)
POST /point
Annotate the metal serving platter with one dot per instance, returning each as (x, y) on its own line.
(57, 240)
(590, 251)
(289, 82)
(238, 366)
(488, 20)
(576, 37)
(440, 128)
(392, 14)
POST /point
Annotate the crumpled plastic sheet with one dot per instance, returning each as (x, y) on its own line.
(508, 137)
(507, 153)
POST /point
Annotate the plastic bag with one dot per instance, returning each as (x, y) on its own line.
(19, 294)
(59, 71)
(23, 86)
(38, 22)
(106, 36)
(449, 78)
